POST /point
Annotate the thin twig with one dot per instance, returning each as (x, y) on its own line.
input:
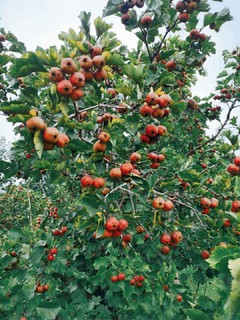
(218, 132)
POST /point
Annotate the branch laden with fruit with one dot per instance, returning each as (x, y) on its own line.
(126, 206)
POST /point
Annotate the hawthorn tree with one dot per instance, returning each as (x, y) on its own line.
(125, 208)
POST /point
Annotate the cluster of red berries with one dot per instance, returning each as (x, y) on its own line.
(152, 134)
(101, 144)
(41, 288)
(208, 204)
(171, 240)
(60, 232)
(185, 8)
(125, 170)
(52, 253)
(70, 80)
(88, 182)
(156, 159)
(197, 36)
(137, 280)
(226, 94)
(160, 203)
(53, 212)
(119, 277)
(126, 238)
(156, 106)
(113, 228)
(38, 223)
(51, 136)
(126, 13)
(234, 168)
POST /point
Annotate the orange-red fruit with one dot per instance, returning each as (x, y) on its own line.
(165, 250)
(127, 238)
(179, 298)
(171, 65)
(233, 169)
(214, 203)
(183, 17)
(158, 203)
(115, 173)
(194, 34)
(164, 100)
(62, 140)
(205, 202)
(123, 224)
(235, 206)
(77, 79)
(165, 238)
(64, 87)
(77, 94)
(158, 113)
(107, 234)
(98, 182)
(55, 74)
(206, 211)
(155, 165)
(153, 156)
(88, 74)
(112, 224)
(95, 51)
(151, 98)
(176, 236)
(39, 289)
(151, 131)
(161, 157)
(68, 66)
(104, 137)
(87, 182)
(85, 62)
(98, 62)
(146, 21)
(180, 6)
(132, 282)
(139, 229)
(100, 75)
(126, 168)
(168, 205)
(236, 161)
(227, 223)
(112, 92)
(135, 157)
(162, 130)
(99, 146)
(50, 135)
(205, 254)
(121, 276)
(114, 278)
(144, 138)
(116, 233)
(35, 123)
(146, 110)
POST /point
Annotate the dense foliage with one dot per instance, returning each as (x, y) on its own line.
(133, 147)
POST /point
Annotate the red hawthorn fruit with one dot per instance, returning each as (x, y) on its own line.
(165, 250)
(176, 236)
(123, 224)
(121, 276)
(205, 254)
(179, 298)
(165, 238)
(112, 224)
(114, 278)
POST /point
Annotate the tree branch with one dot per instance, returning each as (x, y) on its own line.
(218, 132)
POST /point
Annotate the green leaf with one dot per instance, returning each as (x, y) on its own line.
(101, 26)
(134, 73)
(14, 107)
(38, 143)
(237, 186)
(48, 310)
(196, 314)
(27, 64)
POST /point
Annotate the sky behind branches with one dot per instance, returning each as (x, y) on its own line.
(38, 23)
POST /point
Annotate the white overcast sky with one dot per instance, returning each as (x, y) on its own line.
(38, 23)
